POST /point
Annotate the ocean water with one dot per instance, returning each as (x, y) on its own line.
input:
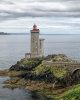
(14, 47)
(18, 93)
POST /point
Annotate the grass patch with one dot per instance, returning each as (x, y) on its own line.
(27, 62)
(61, 58)
(72, 94)
(56, 70)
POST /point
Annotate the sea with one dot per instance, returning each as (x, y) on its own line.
(14, 47)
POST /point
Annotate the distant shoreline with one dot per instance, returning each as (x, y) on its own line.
(29, 34)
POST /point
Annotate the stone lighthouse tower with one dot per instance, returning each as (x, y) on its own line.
(34, 42)
(37, 45)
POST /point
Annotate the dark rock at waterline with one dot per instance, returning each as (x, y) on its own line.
(16, 67)
(20, 66)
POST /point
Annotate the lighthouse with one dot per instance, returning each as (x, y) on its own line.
(36, 44)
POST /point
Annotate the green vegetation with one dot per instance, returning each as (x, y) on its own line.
(59, 58)
(57, 71)
(72, 94)
(40, 69)
(26, 64)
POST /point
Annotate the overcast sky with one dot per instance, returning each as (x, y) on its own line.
(54, 16)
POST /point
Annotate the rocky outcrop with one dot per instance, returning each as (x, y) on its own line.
(51, 75)
(52, 71)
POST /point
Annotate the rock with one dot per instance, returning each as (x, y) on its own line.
(4, 72)
(26, 65)
(35, 70)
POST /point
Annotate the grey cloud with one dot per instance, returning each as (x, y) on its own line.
(57, 0)
(73, 10)
(12, 2)
(6, 2)
(42, 13)
(70, 10)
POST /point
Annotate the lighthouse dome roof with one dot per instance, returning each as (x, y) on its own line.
(34, 26)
